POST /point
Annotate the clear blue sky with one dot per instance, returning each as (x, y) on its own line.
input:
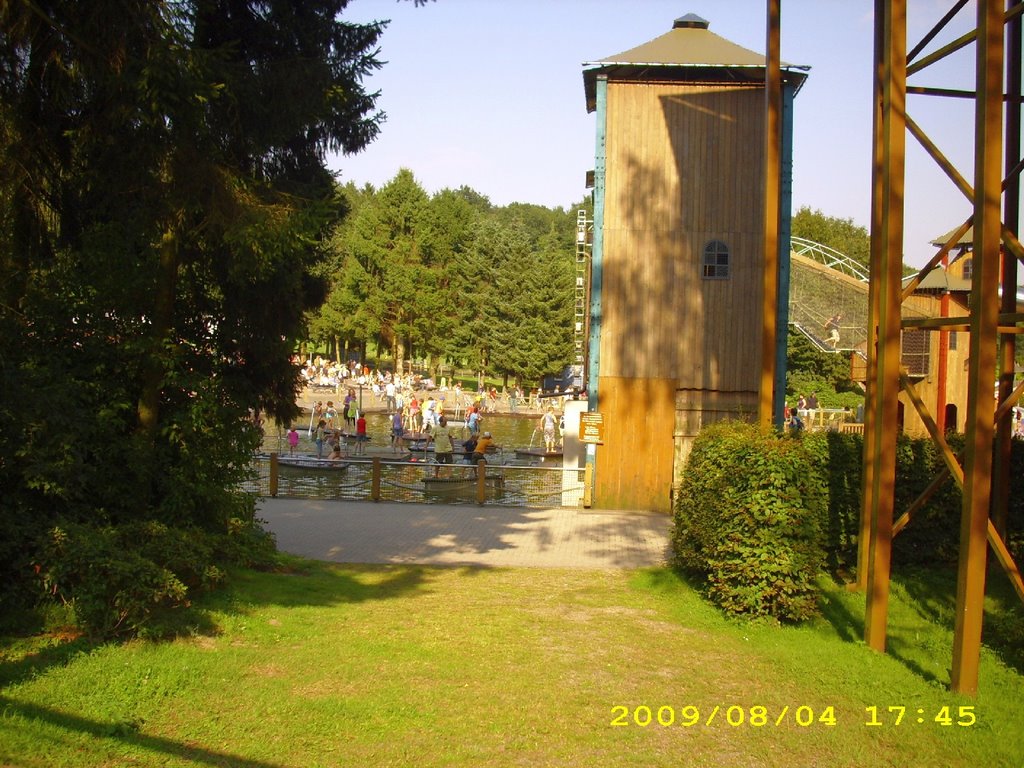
(489, 93)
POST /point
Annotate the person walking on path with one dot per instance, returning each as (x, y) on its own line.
(414, 414)
(351, 411)
(429, 414)
(389, 396)
(473, 420)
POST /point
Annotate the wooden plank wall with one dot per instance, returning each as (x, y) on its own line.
(684, 167)
(637, 455)
(697, 408)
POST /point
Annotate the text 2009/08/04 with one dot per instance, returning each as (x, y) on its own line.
(804, 716)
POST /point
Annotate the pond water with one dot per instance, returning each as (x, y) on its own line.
(510, 432)
(513, 480)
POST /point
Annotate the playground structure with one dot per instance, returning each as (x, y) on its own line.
(824, 283)
(661, 211)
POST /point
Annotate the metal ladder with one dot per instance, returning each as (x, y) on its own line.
(584, 230)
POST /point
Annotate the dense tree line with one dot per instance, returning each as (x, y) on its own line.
(163, 195)
(450, 278)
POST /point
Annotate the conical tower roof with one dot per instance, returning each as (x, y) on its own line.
(688, 52)
(966, 239)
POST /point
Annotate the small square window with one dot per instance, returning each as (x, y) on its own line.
(715, 263)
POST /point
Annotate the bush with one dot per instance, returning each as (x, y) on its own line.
(137, 579)
(112, 589)
(247, 544)
(838, 458)
(747, 521)
(757, 514)
(933, 535)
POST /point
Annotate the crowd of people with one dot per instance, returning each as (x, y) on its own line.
(418, 410)
(390, 392)
(794, 417)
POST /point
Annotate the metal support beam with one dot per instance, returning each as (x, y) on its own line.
(785, 248)
(597, 266)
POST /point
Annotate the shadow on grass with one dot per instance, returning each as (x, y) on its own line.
(835, 609)
(300, 583)
(128, 734)
(921, 619)
(911, 638)
(933, 593)
(315, 583)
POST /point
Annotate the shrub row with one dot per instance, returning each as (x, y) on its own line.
(137, 579)
(747, 520)
(758, 514)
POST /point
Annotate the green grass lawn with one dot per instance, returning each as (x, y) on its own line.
(417, 666)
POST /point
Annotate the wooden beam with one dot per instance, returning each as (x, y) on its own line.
(1005, 559)
(886, 270)
(974, 520)
(957, 44)
(772, 212)
(1008, 323)
(950, 458)
(1008, 280)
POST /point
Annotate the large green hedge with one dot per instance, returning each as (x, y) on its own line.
(758, 514)
(748, 520)
(933, 534)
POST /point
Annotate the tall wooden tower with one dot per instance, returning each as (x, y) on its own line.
(678, 254)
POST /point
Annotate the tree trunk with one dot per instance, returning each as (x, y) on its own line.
(337, 348)
(399, 355)
(163, 315)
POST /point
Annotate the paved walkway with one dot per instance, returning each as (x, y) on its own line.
(367, 532)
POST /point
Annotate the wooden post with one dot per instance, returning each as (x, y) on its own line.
(974, 519)
(867, 483)
(1011, 220)
(375, 479)
(481, 481)
(772, 214)
(887, 270)
(588, 486)
(273, 474)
